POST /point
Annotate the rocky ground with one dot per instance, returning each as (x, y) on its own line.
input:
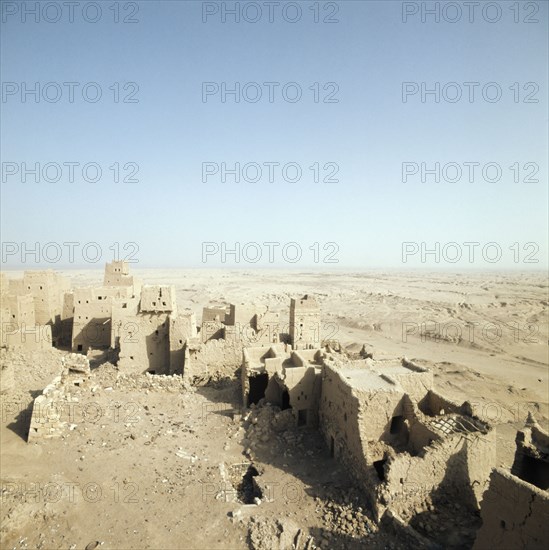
(152, 463)
(147, 462)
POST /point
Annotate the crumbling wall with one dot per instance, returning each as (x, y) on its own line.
(214, 314)
(433, 404)
(514, 514)
(117, 273)
(243, 315)
(182, 328)
(215, 358)
(52, 411)
(457, 466)
(531, 463)
(158, 299)
(262, 359)
(304, 388)
(269, 328)
(305, 323)
(144, 344)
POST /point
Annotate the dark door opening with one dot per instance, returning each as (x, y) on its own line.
(79, 347)
(534, 471)
(302, 417)
(379, 465)
(285, 400)
(397, 425)
(258, 385)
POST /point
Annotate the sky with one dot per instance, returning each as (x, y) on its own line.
(336, 147)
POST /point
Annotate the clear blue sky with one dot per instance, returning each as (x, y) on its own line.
(170, 132)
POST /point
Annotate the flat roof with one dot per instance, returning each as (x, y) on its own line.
(364, 379)
(392, 367)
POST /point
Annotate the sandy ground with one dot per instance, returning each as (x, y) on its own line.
(146, 466)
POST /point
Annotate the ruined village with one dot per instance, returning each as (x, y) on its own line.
(365, 440)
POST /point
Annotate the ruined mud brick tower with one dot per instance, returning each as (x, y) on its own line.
(305, 323)
(117, 273)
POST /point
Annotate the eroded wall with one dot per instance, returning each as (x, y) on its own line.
(305, 323)
(213, 358)
(514, 514)
(144, 343)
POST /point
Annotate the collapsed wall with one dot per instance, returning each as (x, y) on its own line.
(456, 463)
(531, 462)
(249, 325)
(514, 514)
(53, 410)
(212, 359)
(515, 508)
(227, 330)
(284, 378)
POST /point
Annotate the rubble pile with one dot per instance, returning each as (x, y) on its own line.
(277, 534)
(345, 513)
(267, 424)
(447, 523)
(51, 412)
(153, 382)
(346, 519)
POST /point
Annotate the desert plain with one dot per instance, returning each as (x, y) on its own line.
(147, 463)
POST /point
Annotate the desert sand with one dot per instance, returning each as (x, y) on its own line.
(147, 468)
